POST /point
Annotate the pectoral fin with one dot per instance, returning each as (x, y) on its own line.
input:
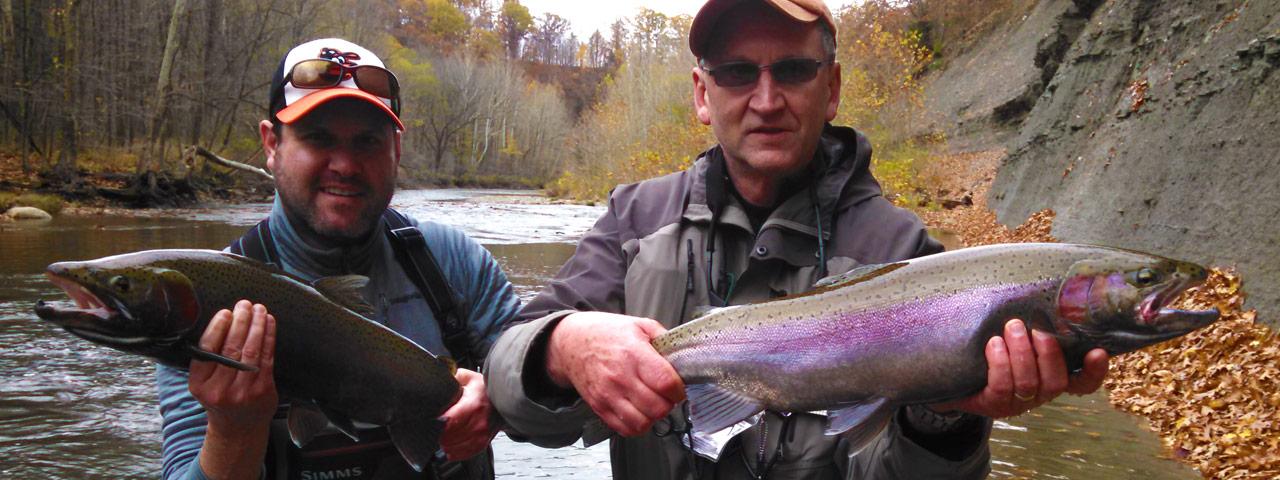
(417, 440)
(207, 356)
(713, 408)
(860, 422)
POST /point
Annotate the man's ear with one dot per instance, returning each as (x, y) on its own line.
(833, 85)
(269, 143)
(701, 105)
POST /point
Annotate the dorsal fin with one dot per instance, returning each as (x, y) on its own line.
(705, 310)
(860, 274)
(348, 291)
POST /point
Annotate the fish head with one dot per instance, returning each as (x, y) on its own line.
(123, 303)
(1121, 303)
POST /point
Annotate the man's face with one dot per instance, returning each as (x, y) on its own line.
(335, 169)
(767, 129)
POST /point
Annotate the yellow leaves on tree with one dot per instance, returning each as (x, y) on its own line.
(880, 66)
(434, 23)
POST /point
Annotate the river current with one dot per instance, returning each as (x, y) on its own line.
(69, 409)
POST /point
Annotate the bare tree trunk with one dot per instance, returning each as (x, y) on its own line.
(163, 85)
(214, 10)
(6, 29)
(480, 161)
(65, 170)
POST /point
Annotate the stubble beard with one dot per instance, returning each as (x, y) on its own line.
(306, 216)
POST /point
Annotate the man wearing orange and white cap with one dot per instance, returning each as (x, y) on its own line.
(333, 145)
(783, 200)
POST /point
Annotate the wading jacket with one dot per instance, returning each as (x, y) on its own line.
(487, 303)
(648, 256)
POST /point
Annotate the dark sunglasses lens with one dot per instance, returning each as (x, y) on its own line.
(316, 74)
(376, 81)
(736, 74)
(798, 70)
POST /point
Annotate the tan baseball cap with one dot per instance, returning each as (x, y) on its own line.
(804, 11)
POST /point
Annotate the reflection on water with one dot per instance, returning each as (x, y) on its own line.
(69, 409)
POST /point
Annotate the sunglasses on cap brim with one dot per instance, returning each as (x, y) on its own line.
(318, 73)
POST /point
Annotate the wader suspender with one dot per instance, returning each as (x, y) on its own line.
(421, 267)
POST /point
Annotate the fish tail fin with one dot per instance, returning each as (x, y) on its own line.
(861, 422)
(417, 440)
(713, 408)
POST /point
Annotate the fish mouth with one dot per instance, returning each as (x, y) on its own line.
(1163, 322)
(86, 316)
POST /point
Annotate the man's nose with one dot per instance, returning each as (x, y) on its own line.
(767, 95)
(343, 161)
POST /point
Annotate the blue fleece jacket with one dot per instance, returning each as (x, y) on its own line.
(487, 303)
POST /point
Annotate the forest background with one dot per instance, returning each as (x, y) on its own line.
(108, 98)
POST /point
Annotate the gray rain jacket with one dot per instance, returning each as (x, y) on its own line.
(648, 257)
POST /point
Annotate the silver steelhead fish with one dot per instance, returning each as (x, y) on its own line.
(331, 362)
(862, 344)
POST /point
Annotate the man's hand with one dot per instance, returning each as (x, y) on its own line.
(466, 429)
(1026, 371)
(608, 359)
(239, 404)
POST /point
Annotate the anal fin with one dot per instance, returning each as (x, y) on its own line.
(341, 422)
(713, 408)
(417, 440)
(861, 422)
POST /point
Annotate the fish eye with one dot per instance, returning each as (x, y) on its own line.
(120, 282)
(1146, 276)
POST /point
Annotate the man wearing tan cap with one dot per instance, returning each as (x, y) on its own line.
(782, 201)
(333, 145)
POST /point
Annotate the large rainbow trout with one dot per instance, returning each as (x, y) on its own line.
(331, 362)
(862, 344)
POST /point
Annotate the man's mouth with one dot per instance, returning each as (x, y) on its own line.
(768, 130)
(342, 191)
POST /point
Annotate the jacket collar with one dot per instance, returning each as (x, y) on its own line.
(845, 180)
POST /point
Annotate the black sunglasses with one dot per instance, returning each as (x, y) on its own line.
(322, 73)
(791, 71)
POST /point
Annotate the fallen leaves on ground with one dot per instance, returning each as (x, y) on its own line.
(1212, 395)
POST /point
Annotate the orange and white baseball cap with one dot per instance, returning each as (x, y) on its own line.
(348, 65)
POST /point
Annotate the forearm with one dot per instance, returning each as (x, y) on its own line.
(519, 388)
(228, 454)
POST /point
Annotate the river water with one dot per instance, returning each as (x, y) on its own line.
(69, 409)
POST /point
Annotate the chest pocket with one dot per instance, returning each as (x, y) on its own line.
(657, 283)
